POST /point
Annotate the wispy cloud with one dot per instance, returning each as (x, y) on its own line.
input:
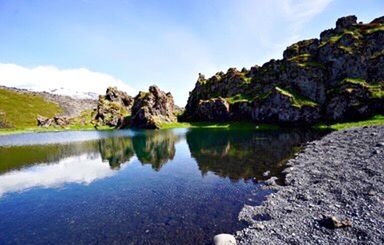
(68, 81)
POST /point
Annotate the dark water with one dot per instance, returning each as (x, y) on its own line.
(127, 187)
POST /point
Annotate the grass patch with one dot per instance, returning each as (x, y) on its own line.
(228, 125)
(377, 91)
(297, 99)
(238, 98)
(375, 120)
(21, 109)
(8, 131)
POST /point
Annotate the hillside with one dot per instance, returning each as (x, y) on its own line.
(19, 108)
(339, 77)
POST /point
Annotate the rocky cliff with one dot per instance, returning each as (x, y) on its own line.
(338, 77)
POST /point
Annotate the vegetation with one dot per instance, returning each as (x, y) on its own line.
(297, 99)
(375, 120)
(376, 90)
(21, 109)
(238, 98)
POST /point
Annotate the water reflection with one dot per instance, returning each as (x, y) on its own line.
(137, 187)
(243, 154)
(81, 169)
(226, 153)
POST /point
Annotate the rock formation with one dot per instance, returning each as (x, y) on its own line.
(338, 77)
(112, 108)
(152, 108)
(61, 121)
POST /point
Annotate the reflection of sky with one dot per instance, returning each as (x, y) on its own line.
(59, 137)
(79, 169)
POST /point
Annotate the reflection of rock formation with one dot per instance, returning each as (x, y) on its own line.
(116, 150)
(243, 154)
(155, 147)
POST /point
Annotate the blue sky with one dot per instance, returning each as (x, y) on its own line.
(168, 42)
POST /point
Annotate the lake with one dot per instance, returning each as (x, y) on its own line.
(180, 186)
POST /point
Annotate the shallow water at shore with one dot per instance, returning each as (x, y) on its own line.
(172, 186)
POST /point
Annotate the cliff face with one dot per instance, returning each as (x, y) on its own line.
(338, 77)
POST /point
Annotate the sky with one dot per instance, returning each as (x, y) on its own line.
(87, 45)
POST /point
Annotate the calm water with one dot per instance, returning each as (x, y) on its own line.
(139, 187)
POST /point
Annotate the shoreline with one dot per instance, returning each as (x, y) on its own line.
(375, 120)
(333, 194)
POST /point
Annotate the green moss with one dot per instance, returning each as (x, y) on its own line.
(374, 29)
(297, 99)
(300, 58)
(22, 109)
(304, 61)
(238, 98)
(375, 120)
(346, 49)
(376, 90)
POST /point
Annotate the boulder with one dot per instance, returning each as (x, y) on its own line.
(224, 239)
(281, 106)
(216, 109)
(346, 22)
(151, 109)
(58, 120)
(44, 121)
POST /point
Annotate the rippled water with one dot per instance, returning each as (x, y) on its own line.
(141, 187)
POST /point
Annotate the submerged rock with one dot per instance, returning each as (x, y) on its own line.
(151, 109)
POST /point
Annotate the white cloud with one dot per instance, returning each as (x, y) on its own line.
(66, 81)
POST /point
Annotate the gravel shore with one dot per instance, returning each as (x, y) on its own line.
(334, 194)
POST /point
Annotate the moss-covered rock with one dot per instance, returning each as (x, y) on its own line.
(151, 109)
(112, 108)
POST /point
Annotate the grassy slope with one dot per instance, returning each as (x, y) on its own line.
(22, 109)
(375, 120)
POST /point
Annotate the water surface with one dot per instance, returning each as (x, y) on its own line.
(135, 187)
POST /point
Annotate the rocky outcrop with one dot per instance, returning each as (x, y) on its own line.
(338, 77)
(61, 121)
(152, 108)
(112, 108)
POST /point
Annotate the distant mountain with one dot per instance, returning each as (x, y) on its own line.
(75, 94)
(19, 108)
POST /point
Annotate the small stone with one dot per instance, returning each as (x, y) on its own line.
(333, 222)
(259, 227)
(147, 231)
(266, 173)
(224, 239)
(380, 144)
(375, 152)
